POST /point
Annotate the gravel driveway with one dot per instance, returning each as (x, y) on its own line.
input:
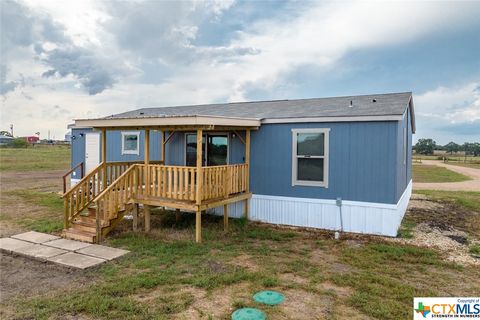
(470, 185)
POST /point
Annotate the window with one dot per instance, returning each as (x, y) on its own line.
(130, 142)
(214, 149)
(310, 157)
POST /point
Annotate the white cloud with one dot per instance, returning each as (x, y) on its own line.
(129, 34)
(449, 113)
(453, 105)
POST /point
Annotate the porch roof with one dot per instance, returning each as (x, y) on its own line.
(177, 122)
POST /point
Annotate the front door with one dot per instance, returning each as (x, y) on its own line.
(215, 149)
(92, 151)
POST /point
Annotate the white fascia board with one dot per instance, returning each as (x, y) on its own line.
(168, 121)
(332, 119)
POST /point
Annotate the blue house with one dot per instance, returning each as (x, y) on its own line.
(340, 163)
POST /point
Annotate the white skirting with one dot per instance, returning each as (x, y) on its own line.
(359, 217)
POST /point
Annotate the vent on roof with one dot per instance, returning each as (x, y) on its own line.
(374, 100)
(351, 103)
(141, 113)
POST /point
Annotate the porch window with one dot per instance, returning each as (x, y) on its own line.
(131, 142)
(310, 157)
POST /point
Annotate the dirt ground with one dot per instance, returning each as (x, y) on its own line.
(444, 227)
(470, 185)
(12, 206)
(18, 274)
(26, 277)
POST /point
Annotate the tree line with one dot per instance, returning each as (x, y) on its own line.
(427, 146)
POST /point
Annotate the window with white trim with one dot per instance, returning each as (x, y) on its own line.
(131, 142)
(310, 157)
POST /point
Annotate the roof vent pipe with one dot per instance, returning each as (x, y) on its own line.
(351, 103)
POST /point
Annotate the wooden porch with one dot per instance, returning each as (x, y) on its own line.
(101, 199)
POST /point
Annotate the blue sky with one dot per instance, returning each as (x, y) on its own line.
(66, 60)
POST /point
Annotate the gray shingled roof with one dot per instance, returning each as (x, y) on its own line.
(366, 105)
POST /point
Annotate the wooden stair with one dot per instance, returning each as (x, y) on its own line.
(84, 225)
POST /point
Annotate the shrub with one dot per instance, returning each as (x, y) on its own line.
(19, 143)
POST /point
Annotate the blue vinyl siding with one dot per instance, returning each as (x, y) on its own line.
(114, 146)
(404, 168)
(78, 148)
(362, 162)
(365, 158)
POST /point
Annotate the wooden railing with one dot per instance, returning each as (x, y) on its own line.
(223, 181)
(179, 182)
(69, 172)
(80, 196)
(111, 186)
(114, 198)
(173, 182)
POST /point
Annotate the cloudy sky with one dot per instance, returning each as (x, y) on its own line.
(62, 60)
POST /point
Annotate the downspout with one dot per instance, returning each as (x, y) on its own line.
(339, 205)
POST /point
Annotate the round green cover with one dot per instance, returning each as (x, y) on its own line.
(269, 297)
(248, 314)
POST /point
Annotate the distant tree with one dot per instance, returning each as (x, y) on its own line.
(19, 143)
(451, 147)
(475, 149)
(425, 146)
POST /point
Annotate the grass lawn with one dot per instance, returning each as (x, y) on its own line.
(426, 173)
(167, 274)
(34, 158)
(50, 216)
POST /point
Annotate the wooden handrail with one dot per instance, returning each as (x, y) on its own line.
(69, 172)
(90, 174)
(114, 197)
(79, 197)
(111, 186)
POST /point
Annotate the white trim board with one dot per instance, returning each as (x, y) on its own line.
(332, 119)
(358, 217)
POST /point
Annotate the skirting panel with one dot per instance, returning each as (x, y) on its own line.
(358, 217)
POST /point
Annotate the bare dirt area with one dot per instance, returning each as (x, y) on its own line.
(21, 277)
(444, 227)
(14, 207)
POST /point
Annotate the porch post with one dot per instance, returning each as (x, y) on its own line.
(163, 147)
(225, 217)
(199, 167)
(198, 218)
(146, 213)
(146, 160)
(104, 158)
(135, 217)
(247, 162)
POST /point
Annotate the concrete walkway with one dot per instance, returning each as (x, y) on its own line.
(47, 247)
(470, 185)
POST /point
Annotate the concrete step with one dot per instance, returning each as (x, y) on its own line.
(75, 234)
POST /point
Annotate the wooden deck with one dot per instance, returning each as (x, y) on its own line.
(112, 189)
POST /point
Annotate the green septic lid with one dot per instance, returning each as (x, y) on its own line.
(248, 314)
(269, 297)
